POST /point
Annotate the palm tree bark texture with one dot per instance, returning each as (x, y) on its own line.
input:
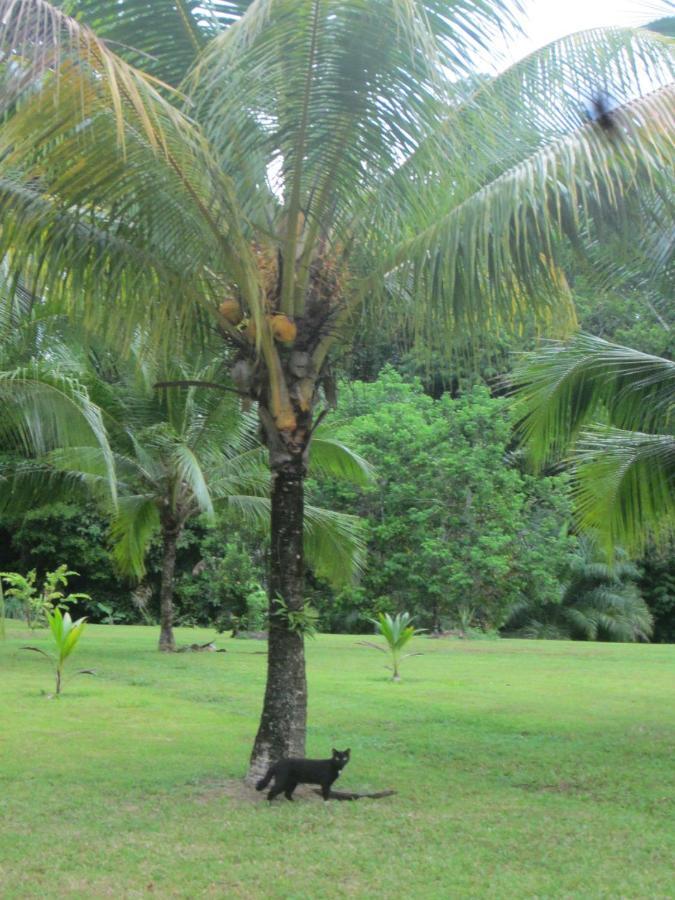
(283, 721)
(170, 534)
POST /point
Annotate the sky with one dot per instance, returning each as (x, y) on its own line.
(546, 20)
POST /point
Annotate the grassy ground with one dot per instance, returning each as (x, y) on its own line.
(523, 769)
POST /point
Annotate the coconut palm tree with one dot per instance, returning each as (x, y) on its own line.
(612, 410)
(323, 157)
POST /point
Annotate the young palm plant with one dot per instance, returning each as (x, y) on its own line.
(397, 631)
(335, 160)
(66, 635)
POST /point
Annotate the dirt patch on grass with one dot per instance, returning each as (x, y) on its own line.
(236, 789)
(559, 787)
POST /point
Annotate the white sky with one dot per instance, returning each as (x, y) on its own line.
(546, 20)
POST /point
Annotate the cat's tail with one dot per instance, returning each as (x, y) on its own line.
(262, 784)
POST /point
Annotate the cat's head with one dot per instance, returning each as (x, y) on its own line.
(341, 757)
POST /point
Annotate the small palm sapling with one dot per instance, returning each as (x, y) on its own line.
(397, 631)
(66, 634)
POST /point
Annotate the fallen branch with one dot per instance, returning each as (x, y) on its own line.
(210, 647)
(353, 795)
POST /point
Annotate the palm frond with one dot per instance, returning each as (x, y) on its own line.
(624, 486)
(104, 178)
(348, 89)
(135, 524)
(61, 475)
(191, 478)
(43, 410)
(333, 542)
(329, 456)
(563, 387)
(477, 244)
(161, 38)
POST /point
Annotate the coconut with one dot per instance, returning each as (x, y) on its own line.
(283, 328)
(231, 310)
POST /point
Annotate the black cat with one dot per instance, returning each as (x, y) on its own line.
(289, 773)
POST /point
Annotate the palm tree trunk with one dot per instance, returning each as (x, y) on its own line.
(170, 534)
(284, 715)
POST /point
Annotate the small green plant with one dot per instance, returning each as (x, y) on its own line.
(110, 615)
(302, 621)
(34, 602)
(464, 617)
(397, 631)
(66, 634)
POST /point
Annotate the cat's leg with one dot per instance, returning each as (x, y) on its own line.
(278, 788)
(290, 787)
(325, 790)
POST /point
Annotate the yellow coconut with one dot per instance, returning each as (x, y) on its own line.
(286, 420)
(231, 310)
(283, 328)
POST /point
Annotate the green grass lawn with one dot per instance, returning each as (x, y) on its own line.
(523, 769)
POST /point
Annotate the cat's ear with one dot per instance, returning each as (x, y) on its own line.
(347, 751)
(336, 752)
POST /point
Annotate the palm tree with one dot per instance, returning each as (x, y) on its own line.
(332, 157)
(178, 454)
(614, 407)
(599, 603)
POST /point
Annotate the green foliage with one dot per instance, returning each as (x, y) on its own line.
(657, 586)
(614, 408)
(451, 521)
(397, 631)
(303, 621)
(65, 634)
(37, 602)
(24, 591)
(218, 569)
(256, 610)
(111, 616)
(42, 536)
(599, 603)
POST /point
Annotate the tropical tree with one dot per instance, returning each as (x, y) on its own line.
(179, 453)
(334, 158)
(611, 409)
(598, 603)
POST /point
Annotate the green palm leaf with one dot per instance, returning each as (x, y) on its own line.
(330, 457)
(135, 524)
(564, 387)
(476, 243)
(162, 37)
(42, 410)
(614, 407)
(333, 542)
(625, 486)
